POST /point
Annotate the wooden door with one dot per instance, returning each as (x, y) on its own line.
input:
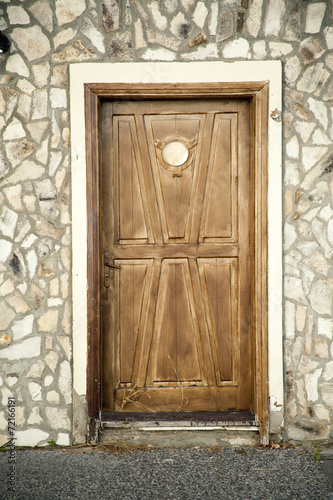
(177, 221)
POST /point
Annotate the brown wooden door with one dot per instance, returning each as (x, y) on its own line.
(177, 221)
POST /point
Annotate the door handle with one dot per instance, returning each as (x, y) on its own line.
(106, 263)
(111, 265)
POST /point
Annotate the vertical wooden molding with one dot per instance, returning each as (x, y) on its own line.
(93, 263)
(261, 261)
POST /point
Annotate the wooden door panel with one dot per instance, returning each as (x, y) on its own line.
(174, 191)
(133, 223)
(175, 355)
(219, 287)
(179, 336)
(221, 185)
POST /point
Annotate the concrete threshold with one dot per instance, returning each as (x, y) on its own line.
(182, 433)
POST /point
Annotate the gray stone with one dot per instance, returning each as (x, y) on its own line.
(75, 52)
(111, 14)
(43, 12)
(313, 78)
(17, 15)
(292, 30)
(28, 348)
(274, 17)
(32, 42)
(321, 296)
(57, 418)
(225, 27)
(200, 14)
(314, 17)
(67, 12)
(311, 49)
(93, 34)
(121, 47)
(253, 22)
(326, 390)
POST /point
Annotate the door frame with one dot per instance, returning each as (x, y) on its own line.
(258, 94)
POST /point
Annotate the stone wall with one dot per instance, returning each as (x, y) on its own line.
(35, 204)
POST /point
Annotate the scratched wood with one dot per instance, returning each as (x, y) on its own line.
(178, 316)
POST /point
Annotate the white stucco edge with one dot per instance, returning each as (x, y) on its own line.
(81, 73)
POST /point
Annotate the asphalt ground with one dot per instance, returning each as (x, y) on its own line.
(196, 473)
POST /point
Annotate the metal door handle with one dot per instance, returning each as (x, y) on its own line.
(112, 265)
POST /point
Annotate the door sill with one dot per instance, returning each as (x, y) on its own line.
(231, 420)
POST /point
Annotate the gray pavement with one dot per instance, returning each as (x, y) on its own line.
(105, 473)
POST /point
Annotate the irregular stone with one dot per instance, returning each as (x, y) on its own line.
(314, 77)
(158, 55)
(318, 263)
(75, 52)
(299, 433)
(67, 12)
(23, 227)
(209, 51)
(290, 311)
(16, 64)
(292, 147)
(49, 321)
(111, 13)
(292, 30)
(51, 360)
(200, 14)
(65, 381)
(121, 47)
(311, 49)
(65, 343)
(17, 15)
(34, 417)
(36, 370)
(8, 220)
(160, 39)
(35, 391)
(31, 437)
(306, 365)
(53, 397)
(46, 228)
(32, 42)
(24, 106)
(301, 112)
(14, 130)
(159, 20)
(225, 27)
(319, 109)
(259, 49)
(93, 34)
(290, 236)
(279, 49)
(48, 380)
(253, 22)
(48, 267)
(38, 129)
(180, 27)
(63, 439)
(321, 296)
(140, 42)
(236, 49)
(65, 36)
(18, 304)
(312, 155)
(28, 348)
(57, 418)
(314, 17)
(318, 229)
(326, 390)
(304, 129)
(294, 289)
(300, 317)
(22, 327)
(41, 73)
(321, 348)
(187, 4)
(6, 288)
(292, 69)
(321, 412)
(212, 25)
(328, 371)
(58, 98)
(274, 17)
(328, 33)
